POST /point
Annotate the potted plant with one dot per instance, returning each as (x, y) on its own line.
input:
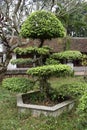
(42, 25)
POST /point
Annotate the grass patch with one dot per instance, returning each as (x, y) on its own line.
(10, 119)
(57, 82)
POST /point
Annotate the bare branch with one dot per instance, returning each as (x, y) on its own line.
(17, 7)
(21, 8)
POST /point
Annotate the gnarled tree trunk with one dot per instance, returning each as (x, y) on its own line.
(44, 85)
(2, 73)
(3, 67)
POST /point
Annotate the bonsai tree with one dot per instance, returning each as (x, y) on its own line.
(43, 25)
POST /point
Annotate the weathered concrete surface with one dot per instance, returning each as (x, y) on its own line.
(79, 71)
(37, 110)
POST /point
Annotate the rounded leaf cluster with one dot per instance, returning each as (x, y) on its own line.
(21, 61)
(50, 70)
(42, 25)
(72, 55)
(34, 50)
(18, 84)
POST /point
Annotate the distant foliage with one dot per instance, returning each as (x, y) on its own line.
(42, 25)
(16, 84)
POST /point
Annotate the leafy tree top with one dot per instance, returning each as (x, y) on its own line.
(72, 55)
(42, 25)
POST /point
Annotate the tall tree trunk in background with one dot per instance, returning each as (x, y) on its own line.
(3, 68)
(9, 26)
(2, 73)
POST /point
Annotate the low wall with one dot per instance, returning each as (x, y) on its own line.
(21, 72)
(17, 73)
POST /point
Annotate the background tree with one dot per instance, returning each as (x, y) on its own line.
(12, 15)
(73, 15)
(8, 28)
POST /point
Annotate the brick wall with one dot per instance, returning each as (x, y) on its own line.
(58, 44)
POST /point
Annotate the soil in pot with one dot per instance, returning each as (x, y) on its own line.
(38, 98)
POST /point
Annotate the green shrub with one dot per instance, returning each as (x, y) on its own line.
(82, 109)
(77, 91)
(74, 90)
(18, 84)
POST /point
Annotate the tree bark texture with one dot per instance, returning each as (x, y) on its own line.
(3, 68)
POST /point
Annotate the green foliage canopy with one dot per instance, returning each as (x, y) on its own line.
(72, 55)
(18, 84)
(33, 50)
(75, 18)
(42, 25)
(50, 70)
(21, 61)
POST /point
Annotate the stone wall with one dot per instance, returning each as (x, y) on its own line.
(16, 73)
(58, 44)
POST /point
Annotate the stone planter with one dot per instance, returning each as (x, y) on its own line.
(37, 110)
